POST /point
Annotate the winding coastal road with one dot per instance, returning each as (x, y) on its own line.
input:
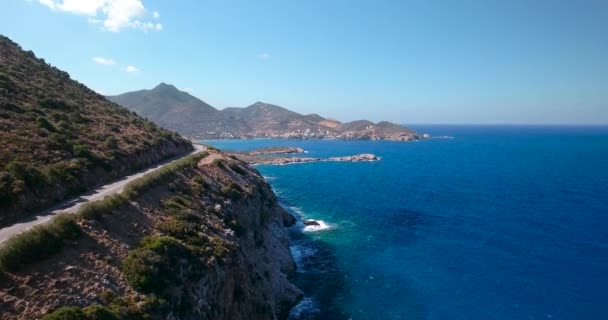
(72, 205)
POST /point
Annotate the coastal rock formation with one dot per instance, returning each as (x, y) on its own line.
(311, 222)
(255, 156)
(180, 111)
(356, 158)
(276, 150)
(208, 242)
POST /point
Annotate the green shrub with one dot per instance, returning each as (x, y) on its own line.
(43, 123)
(198, 184)
(66, 313)
(111, 143)
(152, 179)
(55, 105)
(218, 163)
(232, 191)
(64, 126)
(81, 151)
(62, 173)
(95, 210)
(26, 172)
(154, 266)
(93, 312)
(176, 204)
(98, 312)
(38, 243)
(5, 81)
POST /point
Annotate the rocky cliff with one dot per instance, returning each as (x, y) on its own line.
(208, 242)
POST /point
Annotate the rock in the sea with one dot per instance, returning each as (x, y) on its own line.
(357, 158)
(311, 222)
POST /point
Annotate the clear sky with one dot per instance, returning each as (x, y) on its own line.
(485, 61)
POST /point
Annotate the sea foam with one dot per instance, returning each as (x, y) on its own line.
(322, 226)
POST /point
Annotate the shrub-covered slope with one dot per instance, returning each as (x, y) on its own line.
(58, 138)
(206, 239)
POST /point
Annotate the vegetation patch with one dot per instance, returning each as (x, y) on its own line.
(154, 178)
(159, 264)
(95, 210)
(232, 191)
(117, 309)
(47, 239)
(38, 243)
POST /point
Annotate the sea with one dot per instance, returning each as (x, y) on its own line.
(480, 222)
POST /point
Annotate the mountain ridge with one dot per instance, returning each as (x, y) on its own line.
(178, 110)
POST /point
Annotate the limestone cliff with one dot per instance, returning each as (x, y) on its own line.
(208, 242)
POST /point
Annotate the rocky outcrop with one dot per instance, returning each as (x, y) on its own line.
(218, 228)
(311, 222)
(276, 150)
(252, 157)
(356, 158)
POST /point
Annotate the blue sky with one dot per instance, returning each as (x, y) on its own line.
(405, 61)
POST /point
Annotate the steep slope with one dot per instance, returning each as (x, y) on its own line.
(164, 105)
(169, 107)
(208, 241)
(60, 138)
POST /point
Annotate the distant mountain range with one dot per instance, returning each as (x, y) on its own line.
(179, 111)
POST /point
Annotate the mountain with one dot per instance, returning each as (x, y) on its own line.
(179, 111)
(60, 138)
(169, 107)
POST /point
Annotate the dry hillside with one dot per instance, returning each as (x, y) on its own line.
(60, 138)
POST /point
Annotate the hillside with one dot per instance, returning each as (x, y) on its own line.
(60, 138)
(207, 240)
(192, 117)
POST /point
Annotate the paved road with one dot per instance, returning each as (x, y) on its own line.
(72, 205)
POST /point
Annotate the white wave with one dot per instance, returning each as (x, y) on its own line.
(306, 306)
(322, 226)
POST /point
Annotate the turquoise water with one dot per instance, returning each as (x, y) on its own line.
(497, 223)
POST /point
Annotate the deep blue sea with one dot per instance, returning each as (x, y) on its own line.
(501, 222)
